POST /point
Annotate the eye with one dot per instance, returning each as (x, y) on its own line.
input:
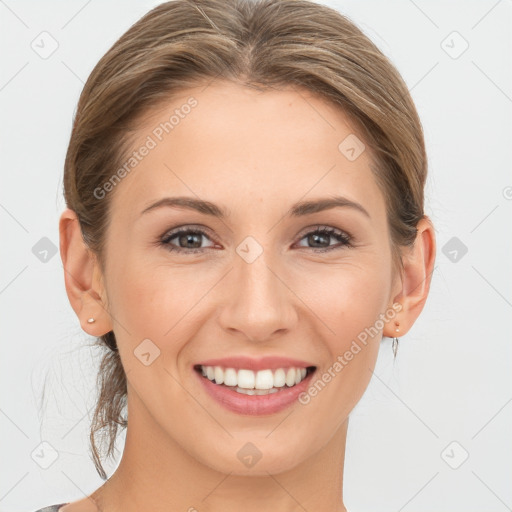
(322, 234)
(188, 240)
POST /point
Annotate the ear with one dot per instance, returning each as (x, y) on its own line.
(82, 276)
(418, 263)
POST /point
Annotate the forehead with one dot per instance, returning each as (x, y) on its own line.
(230, 144)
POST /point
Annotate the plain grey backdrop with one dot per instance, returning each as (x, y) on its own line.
(434, 428)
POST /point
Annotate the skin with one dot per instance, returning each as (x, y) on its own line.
(254, 153)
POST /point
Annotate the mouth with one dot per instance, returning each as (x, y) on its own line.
(251, 382)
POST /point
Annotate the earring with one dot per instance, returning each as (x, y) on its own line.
(394, 347)
(91, 320)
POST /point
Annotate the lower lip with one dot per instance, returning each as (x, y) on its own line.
(255, 404)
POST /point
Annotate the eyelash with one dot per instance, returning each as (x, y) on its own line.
(344, 238)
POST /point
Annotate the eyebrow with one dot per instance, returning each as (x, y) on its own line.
(297, 210)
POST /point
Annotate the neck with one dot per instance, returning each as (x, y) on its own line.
(156, 473)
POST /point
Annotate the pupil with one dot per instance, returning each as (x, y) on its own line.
(189, 238)
(318, 237)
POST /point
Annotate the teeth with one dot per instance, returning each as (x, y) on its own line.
(279, 378)
(219, 375)
(249, 382)
(290, 376)
(230, 376)
(264, 380)
(245, 379)
(256, 391)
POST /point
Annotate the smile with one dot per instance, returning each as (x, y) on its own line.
(249, 382)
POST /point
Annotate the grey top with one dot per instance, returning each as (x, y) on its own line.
(51, 508)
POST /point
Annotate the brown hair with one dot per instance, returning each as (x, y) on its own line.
(267, 43)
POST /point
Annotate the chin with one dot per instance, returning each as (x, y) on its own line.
(254, 458)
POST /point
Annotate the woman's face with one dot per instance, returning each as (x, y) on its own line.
(254, 283)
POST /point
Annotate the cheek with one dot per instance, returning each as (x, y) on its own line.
(164, 303)
(154, 301)
(348, 305)
(348, 297)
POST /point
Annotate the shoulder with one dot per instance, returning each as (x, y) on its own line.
(51, 508)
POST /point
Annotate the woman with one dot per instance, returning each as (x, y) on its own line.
(244, 224)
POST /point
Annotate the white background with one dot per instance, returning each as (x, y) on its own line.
(452, 379)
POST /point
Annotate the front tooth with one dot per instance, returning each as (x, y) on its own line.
(264, 379)
(279, 378)
(290, 377)
(219, 375)
(230, 377)
(246, 379)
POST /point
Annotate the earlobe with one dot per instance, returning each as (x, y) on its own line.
(418, 266)
(80, 272)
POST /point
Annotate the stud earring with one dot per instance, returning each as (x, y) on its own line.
(91, 320)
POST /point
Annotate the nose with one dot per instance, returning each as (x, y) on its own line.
(259, 303)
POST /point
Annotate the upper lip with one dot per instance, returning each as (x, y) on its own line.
(255, 364)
